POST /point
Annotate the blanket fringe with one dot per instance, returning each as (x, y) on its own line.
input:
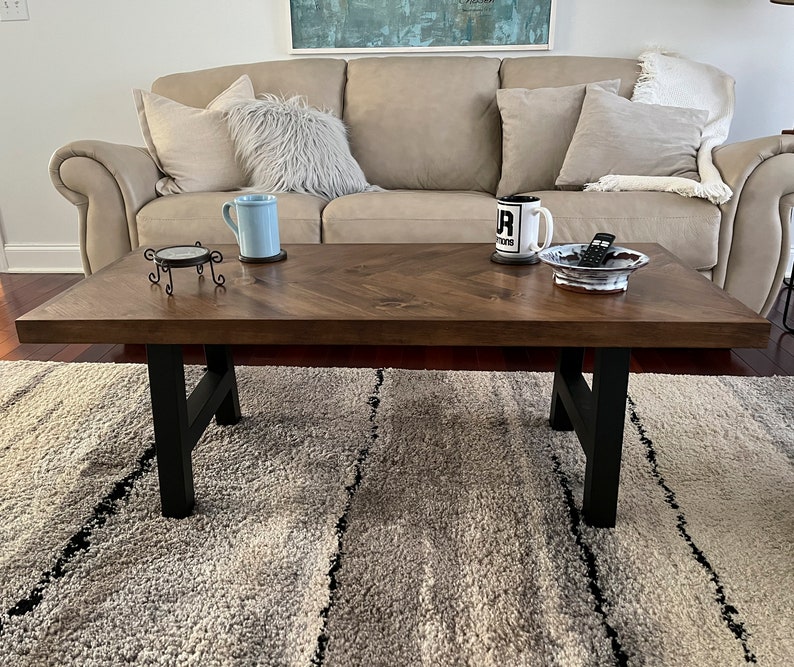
(716, 193)
(648, 73)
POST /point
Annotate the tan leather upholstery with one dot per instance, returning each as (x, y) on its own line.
(197, 215)
(689, 228)
(755, 233)
(429, 127)
(547, 71)
(320, 80)
(426, 123)
(411, 217)
(107, 183)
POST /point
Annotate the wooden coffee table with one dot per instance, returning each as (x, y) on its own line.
(407, 294)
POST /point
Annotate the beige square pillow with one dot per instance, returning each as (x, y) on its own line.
(191, 146)
(240, 92)
(537, 127)
(617, 136)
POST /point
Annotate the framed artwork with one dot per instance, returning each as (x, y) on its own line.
(326, 26)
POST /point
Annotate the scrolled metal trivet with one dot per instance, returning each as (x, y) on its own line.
(182, 256)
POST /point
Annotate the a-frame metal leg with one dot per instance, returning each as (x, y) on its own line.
(219, 360)
(597, 416)
(179, 420)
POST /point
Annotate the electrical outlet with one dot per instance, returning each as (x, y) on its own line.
(14, 10)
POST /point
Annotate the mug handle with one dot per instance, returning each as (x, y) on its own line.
(549, 228)
(228, 220)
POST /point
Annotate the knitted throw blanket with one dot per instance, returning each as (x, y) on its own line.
(675, 81)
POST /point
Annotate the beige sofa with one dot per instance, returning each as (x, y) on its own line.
(427, 129)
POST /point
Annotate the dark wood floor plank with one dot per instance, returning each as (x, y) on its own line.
(760, 363)
(18, 302)
(70, 352)
(7, 334)
(782, 339)
(21, 352)
(95, 353)
(490, 358)
(7, 347)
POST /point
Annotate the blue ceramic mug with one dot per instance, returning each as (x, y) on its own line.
(256, 228)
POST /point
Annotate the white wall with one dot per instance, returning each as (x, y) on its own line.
(67, 74)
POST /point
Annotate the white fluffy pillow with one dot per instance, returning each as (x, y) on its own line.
(285, 145)
(191, 146)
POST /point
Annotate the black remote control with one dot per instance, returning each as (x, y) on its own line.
(597, 250)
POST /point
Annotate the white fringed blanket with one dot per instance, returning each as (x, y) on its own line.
(675, 81)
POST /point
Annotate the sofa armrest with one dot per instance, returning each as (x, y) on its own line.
(108, 183)
(754, 234)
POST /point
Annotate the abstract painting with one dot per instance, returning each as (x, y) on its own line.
(420, 25)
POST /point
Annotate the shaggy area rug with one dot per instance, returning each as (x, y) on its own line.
(394, 517)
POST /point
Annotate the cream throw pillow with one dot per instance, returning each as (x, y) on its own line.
(191, 146)
(617, 136)
(239, 92)
(537, 127)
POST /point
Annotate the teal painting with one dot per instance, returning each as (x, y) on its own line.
(423, 25)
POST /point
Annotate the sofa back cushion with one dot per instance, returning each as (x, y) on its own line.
(551, 71)
(427, 122)
(320, 80)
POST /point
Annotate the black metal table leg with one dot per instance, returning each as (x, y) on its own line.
(219, 360)
(597, 416)
(789, 285)
(569, 372)
(179, 419)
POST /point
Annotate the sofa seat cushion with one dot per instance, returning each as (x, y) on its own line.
(687, 227)
(196, 216)
(411, 216)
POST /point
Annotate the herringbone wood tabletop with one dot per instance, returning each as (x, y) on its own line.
(448, 294)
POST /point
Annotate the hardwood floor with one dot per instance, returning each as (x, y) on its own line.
(20, 293)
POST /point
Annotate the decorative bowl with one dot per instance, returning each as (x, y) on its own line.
(609, 278)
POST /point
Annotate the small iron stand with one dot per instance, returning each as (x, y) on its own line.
(181, 256)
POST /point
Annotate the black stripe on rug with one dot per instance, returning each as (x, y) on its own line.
(30, 384)
(728, 612)
(341, 524)
(588, 558)
(81, 540)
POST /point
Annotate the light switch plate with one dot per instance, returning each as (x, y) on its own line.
(14, 10)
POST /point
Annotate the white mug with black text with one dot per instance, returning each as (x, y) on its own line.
(518, 226)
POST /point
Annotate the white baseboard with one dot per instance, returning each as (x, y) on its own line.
(3, 262)
(35, 258)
